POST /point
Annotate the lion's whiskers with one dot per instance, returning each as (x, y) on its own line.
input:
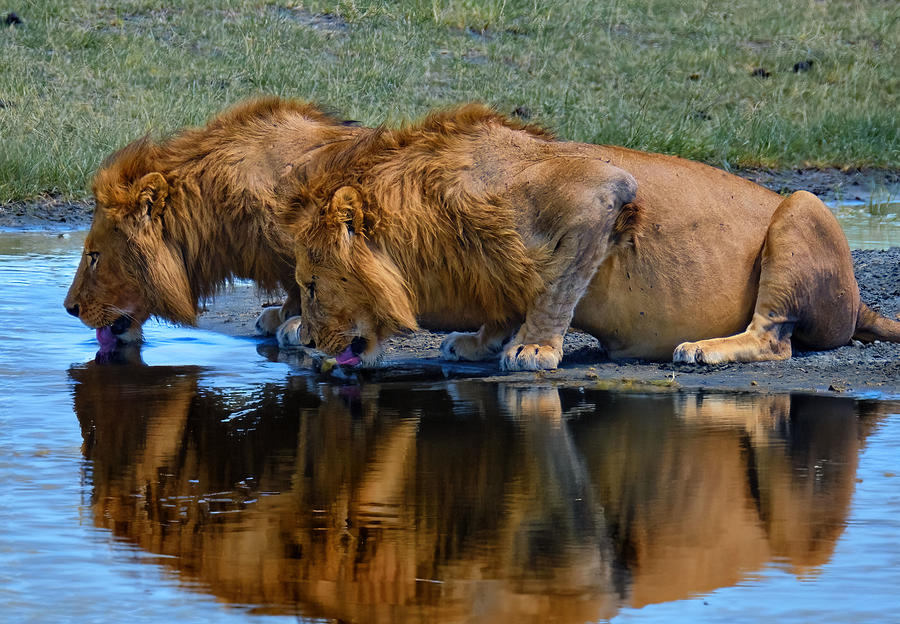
(120, 312)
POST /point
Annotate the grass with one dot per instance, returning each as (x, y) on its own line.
(81, 78)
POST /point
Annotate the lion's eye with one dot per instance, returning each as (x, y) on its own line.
(94, 258)
(311, 289)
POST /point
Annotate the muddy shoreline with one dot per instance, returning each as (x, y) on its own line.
(854, 370)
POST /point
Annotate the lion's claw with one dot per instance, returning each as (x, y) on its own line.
(518, 357)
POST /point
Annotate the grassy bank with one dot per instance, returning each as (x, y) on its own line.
(713, 81)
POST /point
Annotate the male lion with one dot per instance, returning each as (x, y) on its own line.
(471, 221)
(176, 220)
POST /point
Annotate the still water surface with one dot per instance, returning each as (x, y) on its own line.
(869, 225)
(202, 482)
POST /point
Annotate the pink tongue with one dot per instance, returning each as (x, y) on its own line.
(347, 358)
(106, 338)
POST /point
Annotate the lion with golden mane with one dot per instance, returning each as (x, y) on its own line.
(471, 221)
(175, 221)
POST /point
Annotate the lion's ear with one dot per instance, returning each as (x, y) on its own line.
(152, 193)
(346, 209)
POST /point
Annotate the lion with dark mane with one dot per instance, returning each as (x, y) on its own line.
(471, 221)
(175, 221)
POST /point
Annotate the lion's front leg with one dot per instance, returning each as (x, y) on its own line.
(272, 318)
(289, 333)
(269, 320)
(538, 343)
(480, 345)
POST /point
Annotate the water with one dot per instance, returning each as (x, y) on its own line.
(869, 225)
(202, 482)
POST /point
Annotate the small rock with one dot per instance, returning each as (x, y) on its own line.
(803, 66)
(754, 383)
(12, 19)
(760, 72)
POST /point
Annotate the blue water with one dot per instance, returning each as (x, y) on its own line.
(207, 483)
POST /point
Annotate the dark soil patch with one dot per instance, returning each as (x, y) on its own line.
(46, 214)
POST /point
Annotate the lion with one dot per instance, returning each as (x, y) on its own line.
(471, 221)
(175, 221)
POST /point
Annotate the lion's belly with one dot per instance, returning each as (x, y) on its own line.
(644, 302)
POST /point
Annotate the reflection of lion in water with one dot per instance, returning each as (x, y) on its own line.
(470, 221)
(176, 220)
(462, 501)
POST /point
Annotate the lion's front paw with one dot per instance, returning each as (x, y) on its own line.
(518, 357)
(288, 333)
(466, 346)
(269, 321)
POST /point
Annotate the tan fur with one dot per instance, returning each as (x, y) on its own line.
(467, 220)
(402, 226)
(175, 221)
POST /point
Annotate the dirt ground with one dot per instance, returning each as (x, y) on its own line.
(854, 370)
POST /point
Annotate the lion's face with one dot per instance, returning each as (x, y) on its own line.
(128, 272)
(353, 295)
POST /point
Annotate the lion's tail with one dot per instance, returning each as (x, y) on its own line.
(871, 326)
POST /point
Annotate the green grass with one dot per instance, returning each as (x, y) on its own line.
(81, 78)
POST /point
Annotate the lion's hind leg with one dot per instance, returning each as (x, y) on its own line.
(807, 290)
(765, 339)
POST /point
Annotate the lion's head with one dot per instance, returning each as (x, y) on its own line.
(128, 271)
(354, 297)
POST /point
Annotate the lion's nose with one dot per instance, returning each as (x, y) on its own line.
(73, 310)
